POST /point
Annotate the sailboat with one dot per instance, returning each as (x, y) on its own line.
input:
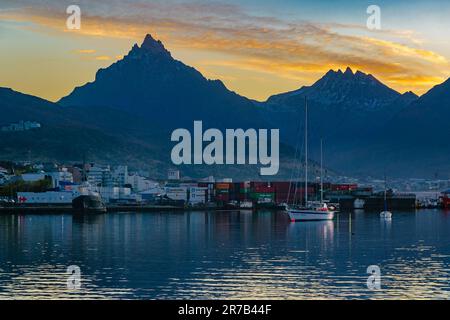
(386, 214)
(310, 212)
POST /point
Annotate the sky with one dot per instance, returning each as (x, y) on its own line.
(257, 48)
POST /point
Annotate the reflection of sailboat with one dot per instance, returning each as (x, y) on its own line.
(309, 212)
(320, 231)
(385, 214)
(246, 204)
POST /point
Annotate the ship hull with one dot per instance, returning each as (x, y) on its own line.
(88, 204)
(309, 215)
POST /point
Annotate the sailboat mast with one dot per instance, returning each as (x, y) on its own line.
(321, 170)
(385, 193)
(306, 152)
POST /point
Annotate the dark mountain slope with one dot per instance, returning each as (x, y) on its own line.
(148, 82)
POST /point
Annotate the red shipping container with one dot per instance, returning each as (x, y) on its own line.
(222, 197)
(263, 189)
(222, 186)
(282, 186)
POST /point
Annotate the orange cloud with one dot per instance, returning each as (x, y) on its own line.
(294, 50)
(86, 51)
(104, 58)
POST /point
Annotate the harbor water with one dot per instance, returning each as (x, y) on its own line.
(224, 255)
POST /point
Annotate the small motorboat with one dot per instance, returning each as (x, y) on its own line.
(232, 205)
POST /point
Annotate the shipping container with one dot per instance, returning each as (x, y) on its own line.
(343, 187)
(222, 186)
(263, 189)
(222, 198)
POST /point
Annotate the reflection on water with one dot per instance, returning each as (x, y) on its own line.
(229, 255)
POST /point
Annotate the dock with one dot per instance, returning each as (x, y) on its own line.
(64, 209)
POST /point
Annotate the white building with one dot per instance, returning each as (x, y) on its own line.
(119, 176)
(173, 175)
(21, 126)
(106, 176)
(208, 179)
(140, 183)
(33, 177)
(176, 193)
(197, 195)
(152, 193)
(49, 197)
(60, 176)
(99, 176)
(111, 194)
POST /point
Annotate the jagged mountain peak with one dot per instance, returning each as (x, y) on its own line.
(150, 47)
(348, 71)
(348, 89)
(149, 82)
(410, 95)
(348, 74)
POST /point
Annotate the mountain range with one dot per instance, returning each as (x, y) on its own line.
(369, 128)
(127, 113)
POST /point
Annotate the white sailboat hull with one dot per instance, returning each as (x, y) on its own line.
(386, 215)
(309, 215)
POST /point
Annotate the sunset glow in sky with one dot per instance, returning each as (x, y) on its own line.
(257, 48)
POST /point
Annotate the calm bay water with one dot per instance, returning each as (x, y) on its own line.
(226, 255)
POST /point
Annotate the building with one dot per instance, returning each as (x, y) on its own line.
(99, 176)
(49, 197)
(62, 176)
(139, 183)
(21, 126)
(118, 194)
(198, 195)
(119, 176)
(177, 193)
(4, 178)
(33, 177)
(152, 194)
(173, 175)
(105, 176)
(77, 174)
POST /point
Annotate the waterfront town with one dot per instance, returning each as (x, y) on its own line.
(50, 185)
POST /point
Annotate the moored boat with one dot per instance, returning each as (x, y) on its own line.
(386, 214)
(88, 204)
(232, 205)
(445, 199)
(317, 211)
(310, 214)
(89, 200)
